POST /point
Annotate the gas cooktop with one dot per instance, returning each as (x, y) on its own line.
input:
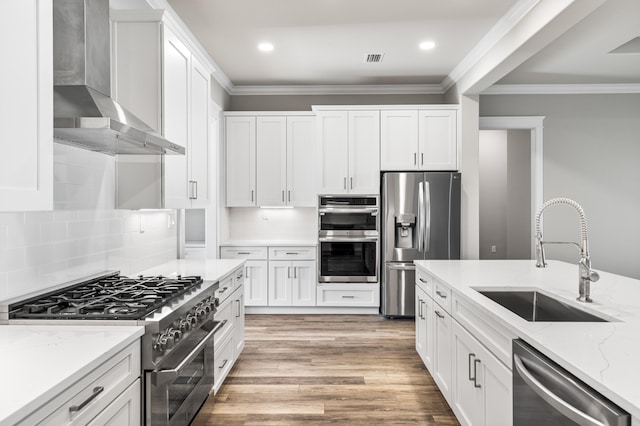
(106, 298)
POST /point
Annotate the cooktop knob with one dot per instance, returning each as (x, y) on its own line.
(185, 325)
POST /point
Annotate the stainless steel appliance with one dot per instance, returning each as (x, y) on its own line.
(420, 220)
(348, 238)
(546, 394)
(177, 347)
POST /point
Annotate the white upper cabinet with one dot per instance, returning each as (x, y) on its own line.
(26, 109)
(240, 134)
(157, 77)
(349, 152)
(424, 139)
(272, 162)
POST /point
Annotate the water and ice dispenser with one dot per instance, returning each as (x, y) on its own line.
(406, 231)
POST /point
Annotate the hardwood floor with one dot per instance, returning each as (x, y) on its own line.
(327, 369)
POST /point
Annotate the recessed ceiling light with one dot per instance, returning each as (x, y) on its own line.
(427, 45)
(265, 47)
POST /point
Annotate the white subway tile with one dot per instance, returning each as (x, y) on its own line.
(12, 218)
(23, 235)
(4, 236)
(38, 217)
(4, 287)
(51, 232)
(65, 215)
(11, 259)
(23, 281)
(38, 255)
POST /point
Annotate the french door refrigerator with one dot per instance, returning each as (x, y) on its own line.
(420, 220)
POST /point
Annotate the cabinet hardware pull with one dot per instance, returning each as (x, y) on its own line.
(471, 378)
(289, 195)
(238, 309)
(422, 159)
(96, 391)
(244, 252)
(424, 281)
(292, 252)
(441, 294)
(223, 289)
(252, 195)
(351, 182)
(295, 272)
(345, 183)
(475, 373)
(246, 272)
(420, 308)
(283, 195)
(195, 185)
(348, 297)
(223, 364)
(415, 158)
(439, 315)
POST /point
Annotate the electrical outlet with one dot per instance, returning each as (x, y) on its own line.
(493, 249)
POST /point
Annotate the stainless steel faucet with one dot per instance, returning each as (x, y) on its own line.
(585, 274)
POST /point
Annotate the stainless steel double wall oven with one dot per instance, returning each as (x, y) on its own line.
(348, 238)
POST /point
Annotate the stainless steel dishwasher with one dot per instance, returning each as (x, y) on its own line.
(546, 394)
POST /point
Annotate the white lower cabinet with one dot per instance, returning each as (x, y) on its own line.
(108, 395)
(482, 384)
(292, 283)
(475, 382)
(229, 340)
(349, 295)
(256, 279)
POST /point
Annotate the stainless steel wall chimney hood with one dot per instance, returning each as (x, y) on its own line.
(84, 113)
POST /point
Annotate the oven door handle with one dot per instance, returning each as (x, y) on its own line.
(160, 377)
(347, 239)
(372, 210)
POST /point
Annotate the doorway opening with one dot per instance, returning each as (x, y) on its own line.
(510, 179)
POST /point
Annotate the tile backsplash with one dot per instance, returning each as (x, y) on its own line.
(84, 234)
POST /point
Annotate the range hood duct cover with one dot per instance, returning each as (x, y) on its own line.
(84, 113)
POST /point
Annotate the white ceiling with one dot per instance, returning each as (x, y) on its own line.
(323, 42)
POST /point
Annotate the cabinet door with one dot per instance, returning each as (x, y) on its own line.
(280, 276)
(123, 411)
(256, 283)
(175, 108)
(241, 161)
(438, 130)
(364, 152)
(333, 152)
(496, 381)
(399, 140)
(199, 138)
(26, 109)
(430, 330)
(442, 363)
(304, 283)
(421, 323)
(238, 321)
(301, 161)
(467, 391)
(271, 148)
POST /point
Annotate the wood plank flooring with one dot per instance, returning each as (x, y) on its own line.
(327, 369)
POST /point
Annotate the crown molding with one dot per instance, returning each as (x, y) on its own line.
(561, 89)
(341, 89)
(495, 34)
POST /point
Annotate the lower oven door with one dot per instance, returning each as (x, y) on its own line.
(181, 384)
(348, 260)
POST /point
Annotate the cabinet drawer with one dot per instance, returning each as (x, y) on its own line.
(232, 252)
(292, 253)
(225, 288)
(442, 295)
(223, 361)
(425, 281)
(224, 312)
(348, 295)
(100, 388)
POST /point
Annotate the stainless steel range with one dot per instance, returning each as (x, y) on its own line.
(177, 347)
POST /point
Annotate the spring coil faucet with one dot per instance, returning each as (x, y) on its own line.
(585, 274)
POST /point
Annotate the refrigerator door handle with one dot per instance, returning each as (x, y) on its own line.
(420, 216)
(427, 220)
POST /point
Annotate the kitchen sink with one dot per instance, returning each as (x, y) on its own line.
(538, 307)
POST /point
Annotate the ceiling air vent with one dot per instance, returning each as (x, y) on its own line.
(373, 57)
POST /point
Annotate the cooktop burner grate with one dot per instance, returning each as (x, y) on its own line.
(110, 297)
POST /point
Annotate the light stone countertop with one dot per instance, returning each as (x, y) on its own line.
(208, 269)
(39, 362)
(605, 355)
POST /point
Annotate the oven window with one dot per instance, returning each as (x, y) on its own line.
(348, 259)
(347, 222)
(185, 383)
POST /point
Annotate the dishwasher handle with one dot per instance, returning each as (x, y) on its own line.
(552, 399)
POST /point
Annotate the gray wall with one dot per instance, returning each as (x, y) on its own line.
(591, 155)
(219, 95)
(505, 194)
(304, 102)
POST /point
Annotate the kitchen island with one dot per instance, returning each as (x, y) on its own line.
(602, 354)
